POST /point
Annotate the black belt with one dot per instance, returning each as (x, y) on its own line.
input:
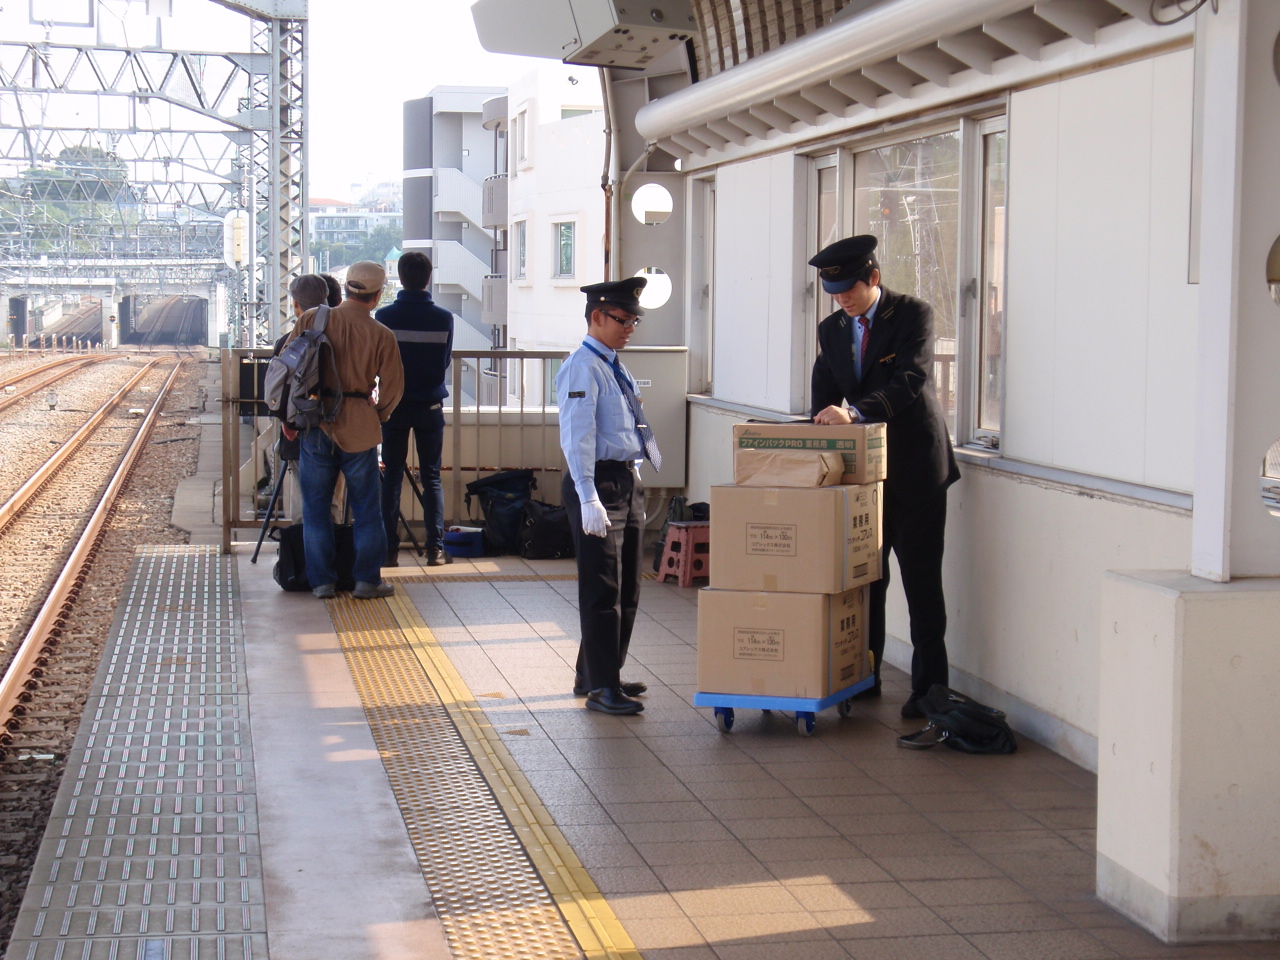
(618, 464)
(356, 394)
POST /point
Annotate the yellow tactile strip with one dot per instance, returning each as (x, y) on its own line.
(504, 880)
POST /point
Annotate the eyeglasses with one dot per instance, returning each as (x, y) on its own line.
(630, 324)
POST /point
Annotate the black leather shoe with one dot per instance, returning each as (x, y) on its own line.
(438, 557)
(911, 709)
(613, 700)
(632, 688)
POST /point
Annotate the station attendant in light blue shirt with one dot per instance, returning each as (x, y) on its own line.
(605, 437)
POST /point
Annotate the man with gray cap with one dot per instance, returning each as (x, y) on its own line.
(877, 355)
(605, 437)
(365, 355)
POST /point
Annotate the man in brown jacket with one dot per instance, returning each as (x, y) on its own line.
(366, 356)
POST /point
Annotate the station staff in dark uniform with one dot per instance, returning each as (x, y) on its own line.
(877, 355)
(604, 438)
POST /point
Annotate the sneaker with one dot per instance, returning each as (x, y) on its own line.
(324, 592)
(438, 556)
(372, 591)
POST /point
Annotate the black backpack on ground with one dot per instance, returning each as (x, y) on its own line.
(545, 534)
(963, 723)
(290, 570)
(502, 498)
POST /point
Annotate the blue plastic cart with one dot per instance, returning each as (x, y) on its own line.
(804, 708)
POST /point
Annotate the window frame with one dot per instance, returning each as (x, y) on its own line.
(520, 262)
(971, 130)
(557, 249)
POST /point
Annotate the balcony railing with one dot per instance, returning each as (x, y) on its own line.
(494, 208)
(493, 307)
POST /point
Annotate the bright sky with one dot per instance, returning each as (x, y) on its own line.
(404, 50)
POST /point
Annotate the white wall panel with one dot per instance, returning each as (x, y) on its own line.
(1032, 275)
(1099, 307)
(754, 313)
(1171, 325)
(1104, 164)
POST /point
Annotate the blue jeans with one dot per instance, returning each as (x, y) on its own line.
(427, 425)
(321, 461)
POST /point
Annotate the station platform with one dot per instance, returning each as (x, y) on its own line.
(265, 775)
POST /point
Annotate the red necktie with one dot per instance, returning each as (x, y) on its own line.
(866, 338)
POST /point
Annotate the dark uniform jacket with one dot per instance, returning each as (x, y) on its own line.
(424, 333)
(896, 389)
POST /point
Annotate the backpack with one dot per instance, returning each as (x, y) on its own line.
(502, 498)
(290, 570)
(963, 723)
(545, 533)
(294, 387)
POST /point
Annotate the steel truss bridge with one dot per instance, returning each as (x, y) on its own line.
(154, 185)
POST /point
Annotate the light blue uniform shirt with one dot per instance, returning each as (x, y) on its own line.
(596, 422)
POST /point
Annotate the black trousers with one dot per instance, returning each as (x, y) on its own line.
(609, 569)
(426, 420)
(914, 530)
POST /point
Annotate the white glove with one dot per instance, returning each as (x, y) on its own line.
(595, 519)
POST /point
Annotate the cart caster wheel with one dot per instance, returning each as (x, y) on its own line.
(724, 719)
(766, 710)
(845, 707)
(804, 724)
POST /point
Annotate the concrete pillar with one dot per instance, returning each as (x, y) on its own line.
(1188, 821)
(1238, 390)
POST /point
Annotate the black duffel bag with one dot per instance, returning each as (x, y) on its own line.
(290, 570)
(545, 534)
(961, 723)
(502, 498)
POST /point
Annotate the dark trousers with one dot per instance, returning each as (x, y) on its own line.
(608, 572)
(914, 531)
(426, 420)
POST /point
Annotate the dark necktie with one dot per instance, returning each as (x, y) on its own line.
(633, 401)
(866, 338)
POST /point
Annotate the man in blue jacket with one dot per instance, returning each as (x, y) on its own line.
(424, 333)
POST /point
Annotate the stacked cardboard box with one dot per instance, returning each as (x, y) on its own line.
(792, 553)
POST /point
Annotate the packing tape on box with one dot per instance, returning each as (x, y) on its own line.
(771, 497)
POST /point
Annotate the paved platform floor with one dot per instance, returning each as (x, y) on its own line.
(758, 843)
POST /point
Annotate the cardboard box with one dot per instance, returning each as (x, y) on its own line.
(781, 644)
(786, 468)
(861, 444)
(795, 540)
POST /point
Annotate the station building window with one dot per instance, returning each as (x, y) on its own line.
(936, 202)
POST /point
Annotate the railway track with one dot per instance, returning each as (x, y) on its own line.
(69, 593)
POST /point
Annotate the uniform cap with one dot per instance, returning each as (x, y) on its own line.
(842, 264)
(620, 293)
(366, 277)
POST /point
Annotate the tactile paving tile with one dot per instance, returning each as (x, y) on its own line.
(491, 901)
(152, 849)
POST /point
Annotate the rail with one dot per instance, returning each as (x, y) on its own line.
(48, 620)
(42, 475)
(41, 377)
